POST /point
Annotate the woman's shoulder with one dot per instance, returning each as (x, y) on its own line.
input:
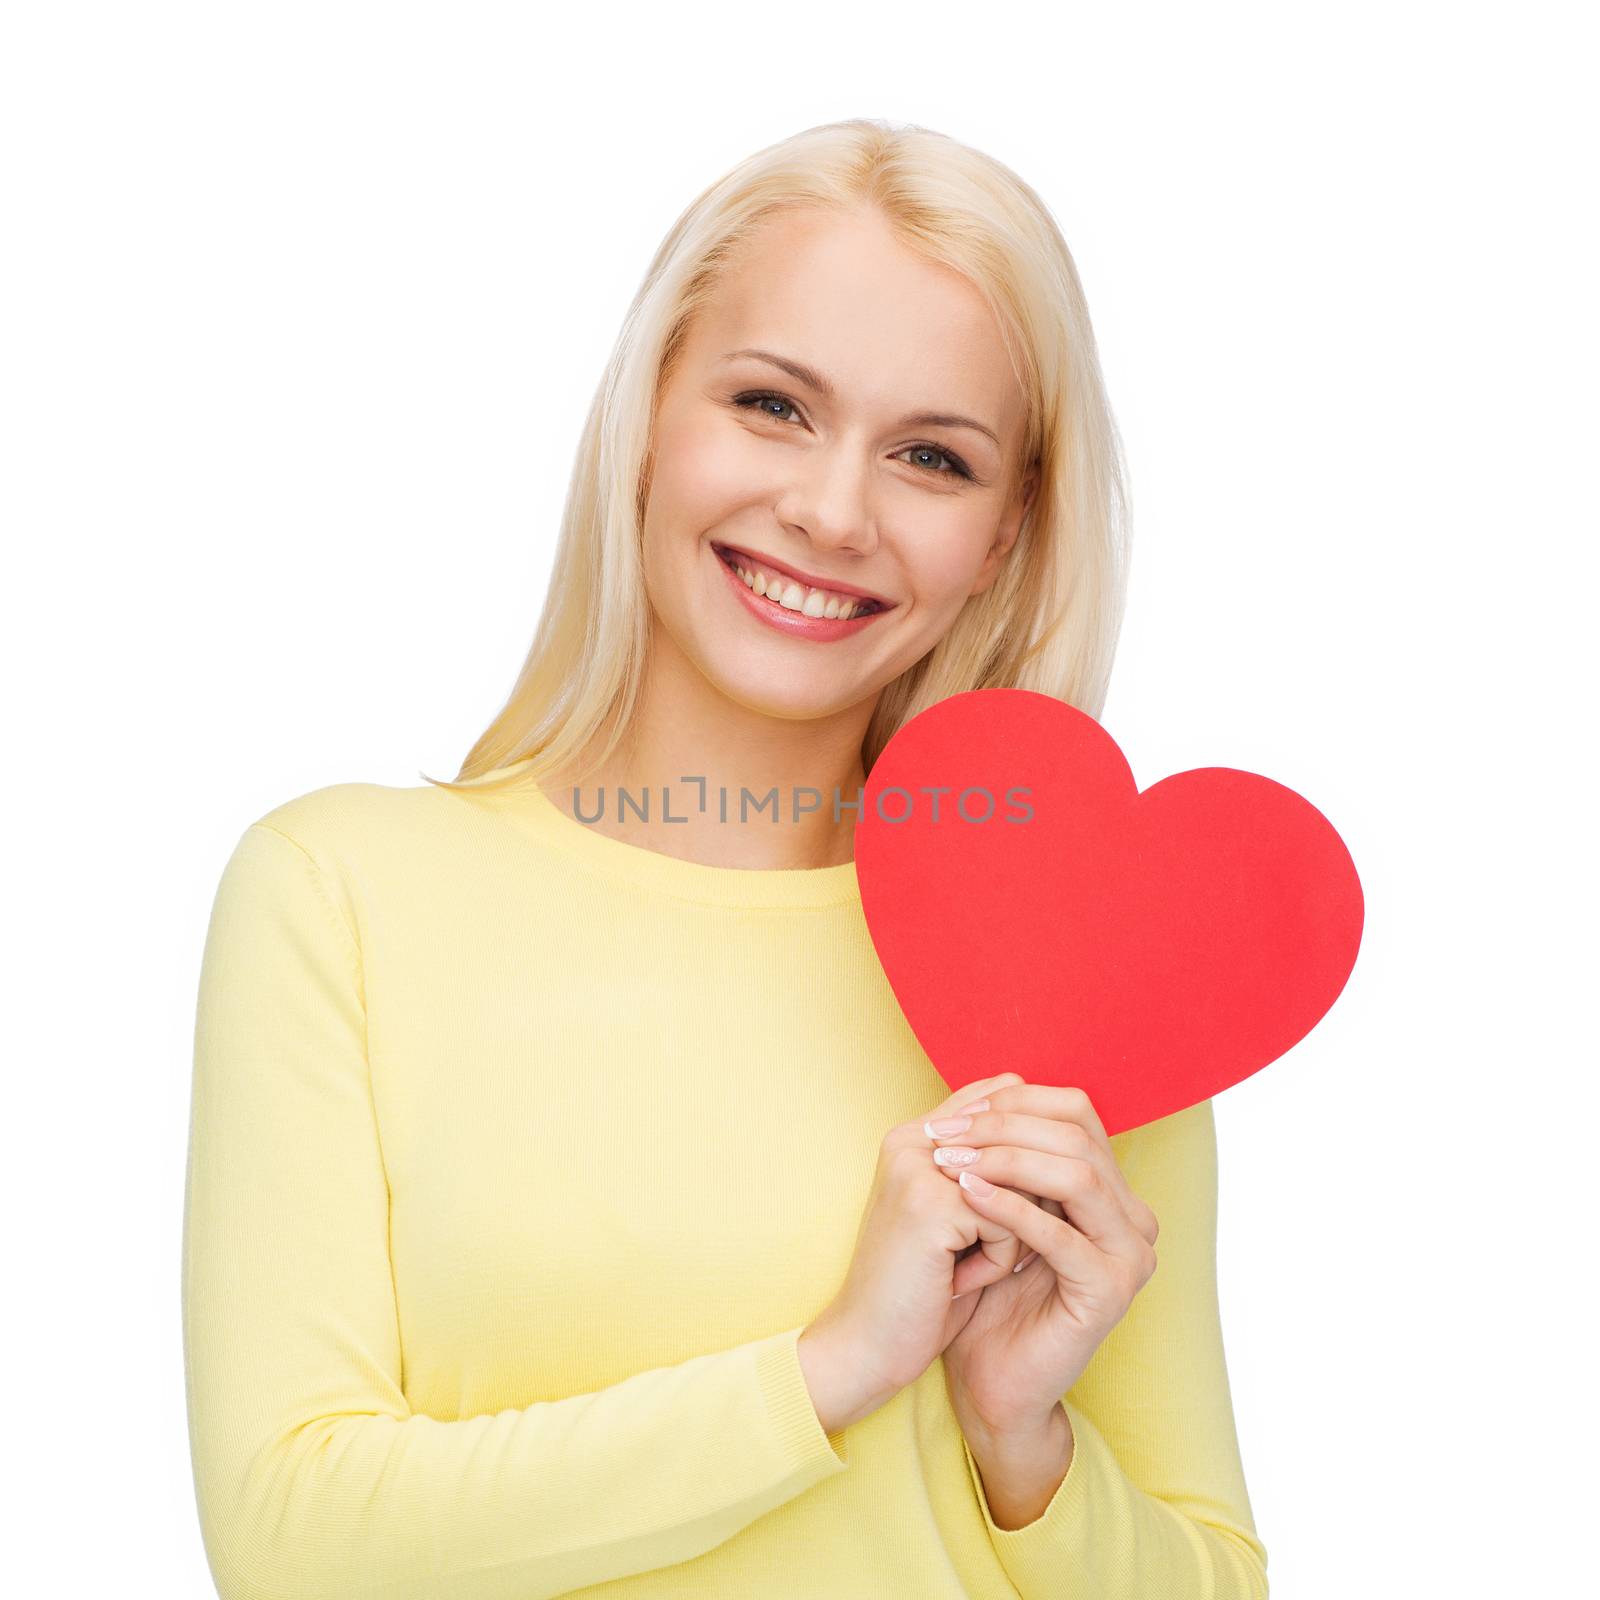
(341, 823)
(381, 854)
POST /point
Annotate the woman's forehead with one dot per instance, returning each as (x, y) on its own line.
(847, 302)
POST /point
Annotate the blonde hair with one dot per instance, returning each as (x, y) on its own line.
(1049, 621)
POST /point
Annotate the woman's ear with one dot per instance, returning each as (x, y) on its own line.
(1017, 509)
(1030, 487)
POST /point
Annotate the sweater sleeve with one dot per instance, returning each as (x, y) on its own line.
(313, 1476)
(1153, 1505)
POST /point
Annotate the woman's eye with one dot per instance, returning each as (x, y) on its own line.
(956, 469)
(774, 405)
(765, 401)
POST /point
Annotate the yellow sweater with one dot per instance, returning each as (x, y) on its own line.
(518, 1159)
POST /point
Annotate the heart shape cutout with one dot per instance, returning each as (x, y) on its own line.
(1042, 915)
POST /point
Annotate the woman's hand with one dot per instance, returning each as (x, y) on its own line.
(919, 1247)
(1092, 1241)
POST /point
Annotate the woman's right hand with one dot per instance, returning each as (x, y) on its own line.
(908, 1290)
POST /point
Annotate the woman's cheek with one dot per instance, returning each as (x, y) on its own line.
(948, 552)
(712, 473)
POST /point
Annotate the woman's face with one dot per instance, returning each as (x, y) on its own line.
(872, 450)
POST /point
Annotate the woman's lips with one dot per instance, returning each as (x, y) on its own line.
(795, 623)
(805, 579)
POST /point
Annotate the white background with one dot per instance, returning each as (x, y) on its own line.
(304, 305)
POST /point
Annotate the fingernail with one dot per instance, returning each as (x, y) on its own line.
(971, 1180)
(974, 1108)
(954, 1155)
(943, 1127)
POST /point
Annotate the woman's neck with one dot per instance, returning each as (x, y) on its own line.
(723, 785)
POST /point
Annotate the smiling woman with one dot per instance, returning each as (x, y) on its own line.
(857, 487)
(569, 1205)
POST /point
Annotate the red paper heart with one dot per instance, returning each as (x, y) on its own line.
(1149, 948)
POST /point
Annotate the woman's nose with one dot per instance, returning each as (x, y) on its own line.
(831, 502)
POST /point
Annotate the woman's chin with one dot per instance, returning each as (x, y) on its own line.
(783, 702)
(767, 683)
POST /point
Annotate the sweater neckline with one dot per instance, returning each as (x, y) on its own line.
(748, 887)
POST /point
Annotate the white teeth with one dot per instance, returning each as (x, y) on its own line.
(793, 596)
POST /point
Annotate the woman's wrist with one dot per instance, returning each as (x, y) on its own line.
(843, 1390)
(1022, 1469)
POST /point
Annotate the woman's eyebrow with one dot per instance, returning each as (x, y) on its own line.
(815, 381)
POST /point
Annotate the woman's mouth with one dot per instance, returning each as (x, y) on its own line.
(794, 607)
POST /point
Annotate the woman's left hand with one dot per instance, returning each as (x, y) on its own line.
(1032, 1334)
